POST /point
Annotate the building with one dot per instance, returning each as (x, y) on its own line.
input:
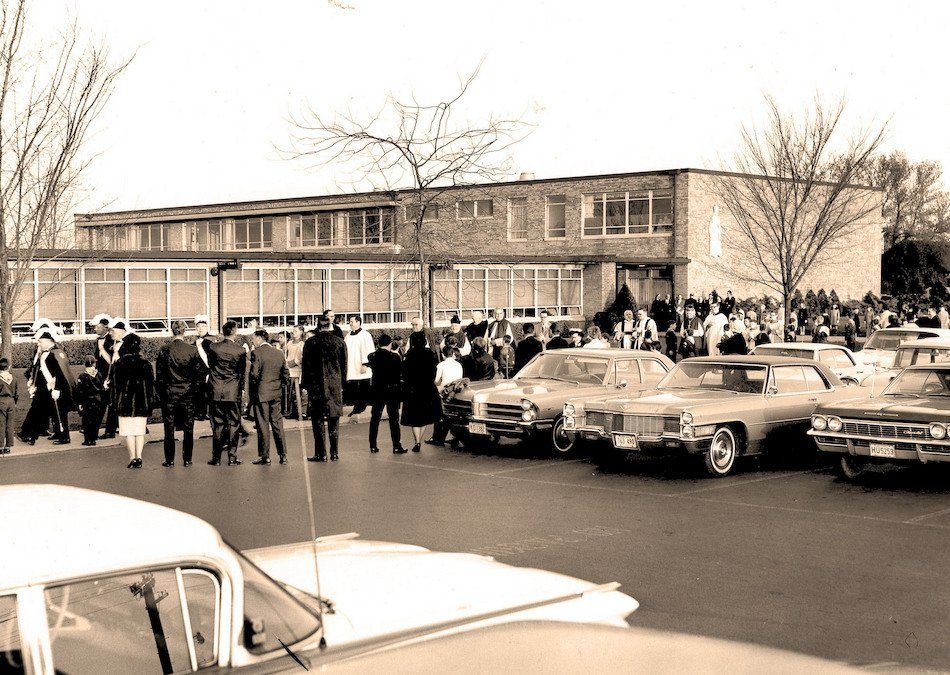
(563, 244)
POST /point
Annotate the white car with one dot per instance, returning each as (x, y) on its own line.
(881, 347)
(97, 583)
(842, 361)
(910, 353)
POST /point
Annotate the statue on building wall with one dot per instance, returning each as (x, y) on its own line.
(715, 234)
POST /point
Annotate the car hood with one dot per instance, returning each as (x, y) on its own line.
(379, 587)
(892, 409)
(670, 401)
(534, 389)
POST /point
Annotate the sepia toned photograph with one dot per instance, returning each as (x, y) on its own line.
(360, 336)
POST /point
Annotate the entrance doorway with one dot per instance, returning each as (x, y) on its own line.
(646, 282)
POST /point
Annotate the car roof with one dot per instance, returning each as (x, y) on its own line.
(804, 346)
(927, 342)
(53, 532)
(752, 360)
(930, 366)
(610, 352)
(941, 332)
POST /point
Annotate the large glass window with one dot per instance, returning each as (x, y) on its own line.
(468, 209)
(627, 213)
(148, 306)
(518, 218)
(277, 297)
(555, 217)
(311, 294)
(252, 233)
(189, 293)
(345, 291)
(207, 235)
(58, 294)
(104, 289)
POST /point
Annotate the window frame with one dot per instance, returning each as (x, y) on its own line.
(475, 210)
(654, 229)
(547, 216)
(523, 200)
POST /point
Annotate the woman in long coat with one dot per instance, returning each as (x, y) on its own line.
(134, 389)
(323, 374)
(422, 405)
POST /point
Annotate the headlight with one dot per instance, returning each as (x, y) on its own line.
(686, 418)
(686, 431)
(526, 404)
(569, 409)
(938, 431)
(529, 415)
(819, 423)
(834, 424)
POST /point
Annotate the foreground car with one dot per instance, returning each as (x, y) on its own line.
(908, 422)
(840, 360)
(717, 407)
(97, 583)
(530, 404)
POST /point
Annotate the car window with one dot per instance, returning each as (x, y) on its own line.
(624, 370)
(11, 657)
(842, 359)
(920, 383)
(789, 379)
(652, 370)
(129, 623)
(203, 599)
(814, 381)
(827, 356)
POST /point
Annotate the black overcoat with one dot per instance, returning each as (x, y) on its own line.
(421, 402)
(323, 373)
(133, 386)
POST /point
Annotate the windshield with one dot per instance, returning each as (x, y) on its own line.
(911, 356)
(737, 377)
(920, 383)
(566, 367)
(785, 351)
(890, 340)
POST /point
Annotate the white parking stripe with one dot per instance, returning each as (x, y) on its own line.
(925, 516)
(537, 466)
(723, 485)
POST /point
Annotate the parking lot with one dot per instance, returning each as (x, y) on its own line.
(783, 553)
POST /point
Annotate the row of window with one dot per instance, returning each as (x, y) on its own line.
(603, 214)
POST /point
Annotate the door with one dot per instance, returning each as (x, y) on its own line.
(792, 395)
(646, 282)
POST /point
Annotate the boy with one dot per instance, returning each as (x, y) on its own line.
(90, 394)
(9, 395)
(506, 358)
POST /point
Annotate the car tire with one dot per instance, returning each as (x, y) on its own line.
(561, 444)
(851, 468)
(723, 451)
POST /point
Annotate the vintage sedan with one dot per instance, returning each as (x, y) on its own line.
(908, 422)
(910, 353)
(881, 347)
(97, 583)
(842, 361)
(530, 404)
(719, 408)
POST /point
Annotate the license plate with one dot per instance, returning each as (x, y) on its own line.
(625, 441)
(477, 428)
(882, 450)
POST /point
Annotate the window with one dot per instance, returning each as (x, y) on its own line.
(789, 379)
(148, 298)
(153, 237)
(370, 226)
(624, 370)
(517, 219)
(105, 291)
(555, 217)
(653, 371)
(814, 381)
(475, 208)
(431, 213)
(252, 233)
(11, 655)
(627, 213)
(134, 623)
(207, 235)
(58, 294)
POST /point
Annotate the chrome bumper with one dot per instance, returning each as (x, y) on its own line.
(907, 450)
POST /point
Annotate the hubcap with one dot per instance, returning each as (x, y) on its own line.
(722, 451)
(561, 440)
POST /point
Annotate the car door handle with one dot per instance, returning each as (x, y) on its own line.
(814, 399)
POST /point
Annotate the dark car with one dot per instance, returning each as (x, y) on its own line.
(907, 422)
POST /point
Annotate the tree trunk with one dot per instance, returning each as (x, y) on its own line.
(6, 331)
(787, 301)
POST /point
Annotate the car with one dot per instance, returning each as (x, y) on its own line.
(719, 408)
(909, 353)
(98, 583)
(842, 361)
(881, 347)
(907, 423)
(529, 405)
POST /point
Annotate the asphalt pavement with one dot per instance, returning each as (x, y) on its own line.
(782, 554)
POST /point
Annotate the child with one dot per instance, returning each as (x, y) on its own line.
(90, 395)
(9, 395)
(506, 358)
(672, 340)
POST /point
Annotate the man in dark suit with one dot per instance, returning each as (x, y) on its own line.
(556, 341)
(179, 371)
(267, 379)
(203, 343)
(385, 389)
(529, 347)
(227, 363)
(100, 324)
(323, 375)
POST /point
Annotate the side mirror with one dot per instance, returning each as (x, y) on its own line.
(621, 384)
(771, 391)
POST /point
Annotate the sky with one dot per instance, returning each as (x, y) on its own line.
(202, 113)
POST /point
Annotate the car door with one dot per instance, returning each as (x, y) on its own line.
(789, 401)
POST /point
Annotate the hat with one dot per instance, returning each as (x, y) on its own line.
(119, 323)
(46, 334)
(103, 319)
(40, 324)
(456, 319)
(202, 318)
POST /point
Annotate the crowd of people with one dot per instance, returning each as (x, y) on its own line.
(312, 373)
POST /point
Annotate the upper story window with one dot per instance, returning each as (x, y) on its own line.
(227, 234)
(318, 229)
(555, 217)
(431, 212)
(154, 237)
(252, 233)
(341, 228)
(149, 237)
(369, 226)
(609, 214)
(474, 208)
(518, 219)
(207, 235)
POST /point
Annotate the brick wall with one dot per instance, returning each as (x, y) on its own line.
(852, 267)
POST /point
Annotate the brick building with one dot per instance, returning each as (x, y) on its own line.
(562, 244)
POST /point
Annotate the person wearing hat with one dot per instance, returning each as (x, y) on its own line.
(100, 325)
(179, 375)
(323, 373)
(133, 393)
(37, 328)
(227, 363)
(462, 343)
(117, 331)
(50, 386)
(203, 343)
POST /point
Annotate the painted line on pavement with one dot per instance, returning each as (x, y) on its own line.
(557, 462)
(915, 520)
(739, 483)
(430, 466)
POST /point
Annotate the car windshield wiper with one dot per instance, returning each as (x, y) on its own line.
(902, 393)
(562, 379)
(293, 655)
(731, 391)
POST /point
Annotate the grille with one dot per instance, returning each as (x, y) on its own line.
(889, 431)
(642, 425)
(458, 408)
(832, 440)
(503, 411)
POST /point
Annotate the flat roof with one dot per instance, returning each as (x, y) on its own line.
(372, 198)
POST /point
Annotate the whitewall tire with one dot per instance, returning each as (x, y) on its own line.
(721, 456)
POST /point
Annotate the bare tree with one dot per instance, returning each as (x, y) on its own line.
(910, 192)
(794, 194)
(50, 93)
(421, 149)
